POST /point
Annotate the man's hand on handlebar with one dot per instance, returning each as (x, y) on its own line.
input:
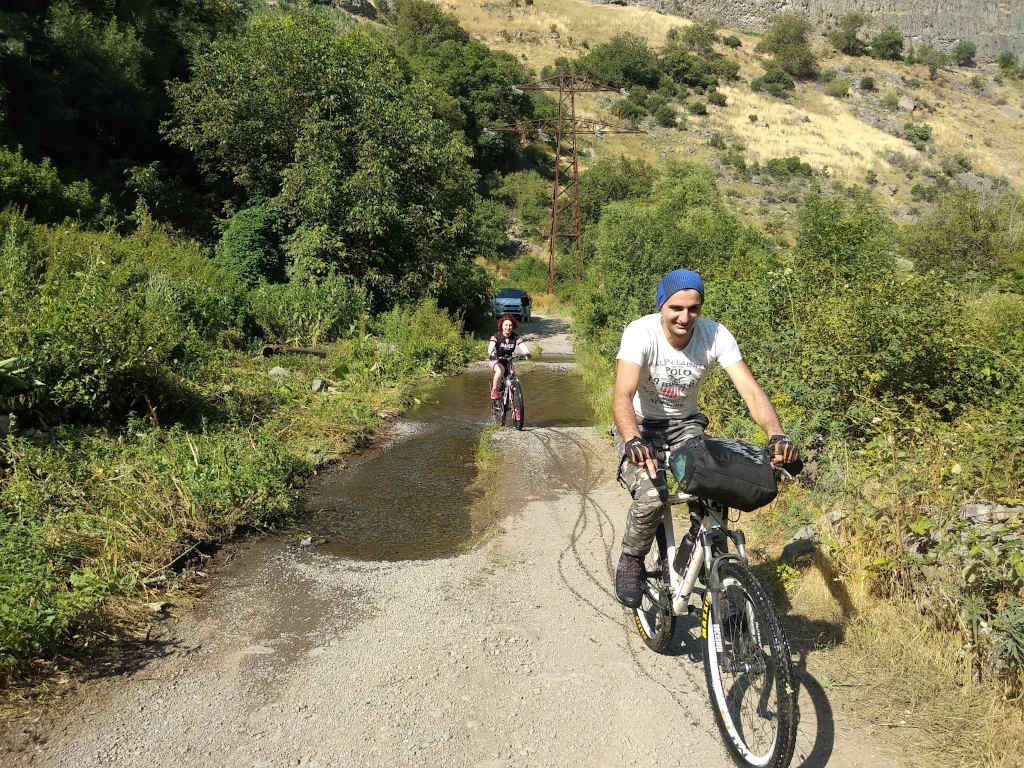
(640, 453)
(783, 455)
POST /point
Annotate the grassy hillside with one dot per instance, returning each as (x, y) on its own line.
(850, 136)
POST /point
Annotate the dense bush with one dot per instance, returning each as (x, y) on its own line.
(251, 245)
(37, 189)
(867, 83)
(104, 321)
(732, 41)
(530, 274)
(971, 238)
(786, 40)
(624, 61)
(307, 312)
(963, 53)
(786, 167)
(612, 179)
(373, 185)
(917, 134)
(775, 81)
(838, 88)
(528, 194)
(844, 36)
(887, 44)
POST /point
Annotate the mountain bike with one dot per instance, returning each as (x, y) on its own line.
(747, 663)
(511, 400)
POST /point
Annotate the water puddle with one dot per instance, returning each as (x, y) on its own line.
(412, 500)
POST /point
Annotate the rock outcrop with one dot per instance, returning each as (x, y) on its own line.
(993, 25)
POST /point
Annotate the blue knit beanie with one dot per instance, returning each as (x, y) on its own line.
(678, 280)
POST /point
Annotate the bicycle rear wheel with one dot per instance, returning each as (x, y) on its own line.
(654, 618)
(749, 671)
(518, 406)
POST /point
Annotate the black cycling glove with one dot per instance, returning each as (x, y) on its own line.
(638, 451)
(783, 453)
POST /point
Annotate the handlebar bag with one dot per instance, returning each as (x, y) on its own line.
(731, 472)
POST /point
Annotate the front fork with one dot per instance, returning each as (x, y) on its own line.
(682, 583)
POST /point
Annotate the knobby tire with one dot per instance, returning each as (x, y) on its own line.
(518, 406)
(656, 622)
(749, 671)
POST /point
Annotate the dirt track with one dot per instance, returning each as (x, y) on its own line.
(512, 654)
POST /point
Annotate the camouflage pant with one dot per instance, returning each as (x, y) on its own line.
(645, 512)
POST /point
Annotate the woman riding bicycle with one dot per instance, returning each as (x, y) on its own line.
(503, 345)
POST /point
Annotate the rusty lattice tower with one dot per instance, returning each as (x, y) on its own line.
(565, 125)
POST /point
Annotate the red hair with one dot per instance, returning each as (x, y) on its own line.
(503, 318)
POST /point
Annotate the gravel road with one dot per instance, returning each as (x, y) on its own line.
(514, 653)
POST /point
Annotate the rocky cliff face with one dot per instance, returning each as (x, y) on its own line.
(993, 25)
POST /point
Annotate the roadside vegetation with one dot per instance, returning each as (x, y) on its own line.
(330, 192)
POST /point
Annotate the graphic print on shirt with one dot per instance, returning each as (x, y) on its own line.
(675, 380)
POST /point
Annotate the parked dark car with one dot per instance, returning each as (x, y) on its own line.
(512, 301)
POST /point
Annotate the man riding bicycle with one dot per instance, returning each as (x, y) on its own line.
(502, 346)
(662, 360)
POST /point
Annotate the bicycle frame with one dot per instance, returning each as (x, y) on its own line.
(714, 518)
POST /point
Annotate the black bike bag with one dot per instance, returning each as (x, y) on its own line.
(731, 472)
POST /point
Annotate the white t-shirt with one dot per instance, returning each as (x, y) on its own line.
(669, 377)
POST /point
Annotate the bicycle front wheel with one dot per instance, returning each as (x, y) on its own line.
(749, 671)
(654, 617)
(518, 406)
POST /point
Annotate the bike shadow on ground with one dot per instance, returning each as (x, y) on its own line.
(816, 731)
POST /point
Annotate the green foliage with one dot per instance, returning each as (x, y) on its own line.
(530, 274)
(37, 189)
(963, 53)
(786, 40)
(84, 82)
(624, 61)
(887, 44)
(954, 164)
(1007, 62)
(529, 196)
(102, 320)
(251, 247)
(890, 100)
(374, 186)
(732, 41)
(838, 88)
(978, 83)
(474, 83)
(717, 98)
(418, 340)
(307, 312)
(867, 83)
(970, 237)
(665, 116)
(699, 37)
(845, 35)
(931, 58)
(775, 81)
(612, 179)
(787, 167)
(629, 110)
(917, 134)
(697, 108)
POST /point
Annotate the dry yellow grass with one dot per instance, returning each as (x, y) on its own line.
(819, 128)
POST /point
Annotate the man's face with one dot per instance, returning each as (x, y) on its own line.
(679, 314)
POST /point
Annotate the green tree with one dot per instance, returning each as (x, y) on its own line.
(786, 40)
(625, 60)
(932, 59)
(963, 53)
(887, 44)
(344, 138)
(845, 35)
